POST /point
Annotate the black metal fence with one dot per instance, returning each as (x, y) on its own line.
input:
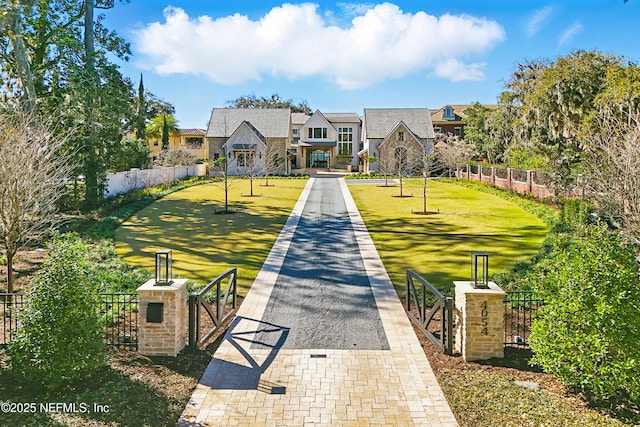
(118, 313)
(519, 311)
(10, 305)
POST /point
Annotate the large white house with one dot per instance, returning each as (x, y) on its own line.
(279, 141)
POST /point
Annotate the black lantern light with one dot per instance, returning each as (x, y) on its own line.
(163, 267)
(480, 270)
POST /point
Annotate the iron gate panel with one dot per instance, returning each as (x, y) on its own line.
(215, 311)
(435, 322)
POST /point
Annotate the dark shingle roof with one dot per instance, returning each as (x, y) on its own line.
(270, 122)
(379, 121)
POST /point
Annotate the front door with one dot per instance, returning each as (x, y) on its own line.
(318, 158)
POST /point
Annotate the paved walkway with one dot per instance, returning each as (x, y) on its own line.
(321, 338)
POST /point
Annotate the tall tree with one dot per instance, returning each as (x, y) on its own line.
(67, 46)
(91, 167)
(11, 21)
(273, 101)
(557, 99)
(475, 131)
(165, 133)
(141, 117)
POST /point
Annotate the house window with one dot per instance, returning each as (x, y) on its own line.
(448, 113)
(457, 131)
(345, 134)
(345, 149)
(194, 143)
(318, 133)
(244, 158)
(437, 129)
(401, 136)
(155, 143)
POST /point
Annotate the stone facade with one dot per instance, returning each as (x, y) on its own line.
(480, 334)
(168, 337)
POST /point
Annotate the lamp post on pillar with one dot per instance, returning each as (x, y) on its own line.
(163, 267)
(480, 270)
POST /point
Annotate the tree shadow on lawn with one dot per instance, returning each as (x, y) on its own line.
(440, 251)
(201, 240)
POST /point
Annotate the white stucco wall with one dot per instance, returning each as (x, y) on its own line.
(122, 182)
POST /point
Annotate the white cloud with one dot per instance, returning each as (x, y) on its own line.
(568, 34)
(456, 70)
(295, 41)
(537, 20)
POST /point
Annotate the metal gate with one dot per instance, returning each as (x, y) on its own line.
(431, 311)
(210, 308)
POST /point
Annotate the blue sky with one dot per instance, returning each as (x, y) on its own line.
(344, 57)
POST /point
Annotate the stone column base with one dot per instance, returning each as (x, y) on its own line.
(162, 329)
(481, 334)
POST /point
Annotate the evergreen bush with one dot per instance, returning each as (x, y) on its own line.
(587, 333)
(60, 340)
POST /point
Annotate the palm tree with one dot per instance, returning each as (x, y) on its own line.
(160, 125)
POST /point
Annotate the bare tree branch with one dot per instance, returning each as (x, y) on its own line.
(613, 180)
(33, 176)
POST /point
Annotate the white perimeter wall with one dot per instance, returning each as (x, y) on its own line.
(122, 182)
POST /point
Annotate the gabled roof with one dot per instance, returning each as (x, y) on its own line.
(400, 125)
(242, 138)
(270, 122)
(318, 113)
(378, 122)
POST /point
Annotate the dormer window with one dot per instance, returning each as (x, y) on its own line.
(448, 113)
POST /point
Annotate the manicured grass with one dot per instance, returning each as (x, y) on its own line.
(205, 243)
(439, 246)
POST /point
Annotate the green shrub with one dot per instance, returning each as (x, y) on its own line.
(575, 213)
(61, 340)
(108, 273)
(587, 333)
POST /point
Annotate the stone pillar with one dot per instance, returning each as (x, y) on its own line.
(481, 333)
(165, 336)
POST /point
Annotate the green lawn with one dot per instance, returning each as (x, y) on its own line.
(439, 246)
(206, 244)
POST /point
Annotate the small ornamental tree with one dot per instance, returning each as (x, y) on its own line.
(587, 332)
(273, 159)
(60, 340)
(34, 169)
